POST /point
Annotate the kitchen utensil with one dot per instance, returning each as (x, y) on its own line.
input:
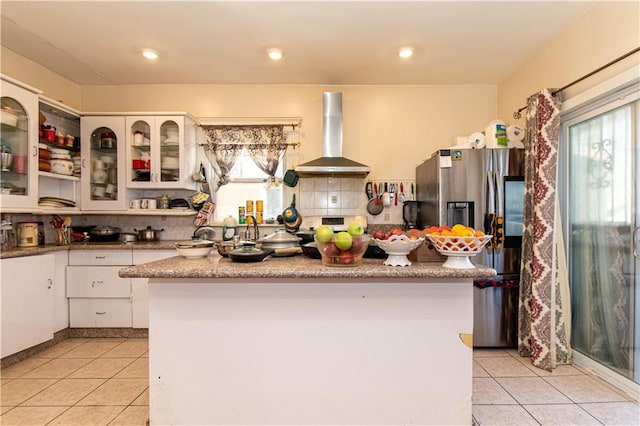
(149, 234)
(27, 234)
(290, 214)
(105, 233)
(194, 249)
(386, 198)
(401, 196)
(413, 197)
(248, 252)
(178, 203)
(293, 227)
(392, 193)
(224, 247)
(376, 189)
(368, 189)
(395, 194)
(128, 237)
(374, 206)
(410, 214)
(305, 236)
(7, 159)
(290, 178)
(280, 239)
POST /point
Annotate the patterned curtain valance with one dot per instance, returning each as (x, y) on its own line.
(266, 144)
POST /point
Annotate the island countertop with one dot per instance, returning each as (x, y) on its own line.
(216, 266)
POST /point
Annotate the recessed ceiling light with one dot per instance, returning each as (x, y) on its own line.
(405, 52)
(150, 54)
(275, 54)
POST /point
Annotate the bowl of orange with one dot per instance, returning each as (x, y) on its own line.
(458, 243)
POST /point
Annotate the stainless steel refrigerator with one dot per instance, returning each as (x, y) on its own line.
(482, 188)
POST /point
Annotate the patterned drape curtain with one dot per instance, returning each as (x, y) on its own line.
(544, 308)
(265, 144)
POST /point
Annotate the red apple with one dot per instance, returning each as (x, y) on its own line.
(378, 234)
(331, 250)
(346, 257)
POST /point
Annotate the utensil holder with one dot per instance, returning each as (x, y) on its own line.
(63, 236)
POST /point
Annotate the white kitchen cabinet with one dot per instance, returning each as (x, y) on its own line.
(27, 302)
(103, 149)
(161, 151)
(60, 301)
(19, 146)
(98, 297)
(140, 286)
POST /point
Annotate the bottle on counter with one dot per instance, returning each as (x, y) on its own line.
(229, 228)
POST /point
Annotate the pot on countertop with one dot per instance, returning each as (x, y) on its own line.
(149, 234)
(128, 237)
(280, 239)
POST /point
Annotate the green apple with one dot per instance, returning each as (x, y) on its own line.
(355, 229)
(324, 234)
(344, 240)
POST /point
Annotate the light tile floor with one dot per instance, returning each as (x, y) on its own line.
(79, 382)
(508, 390)
(105, 382)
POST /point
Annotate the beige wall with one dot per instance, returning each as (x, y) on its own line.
(606, 31)
(389, 128)
(53, 85)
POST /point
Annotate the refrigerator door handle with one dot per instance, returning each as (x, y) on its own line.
(499, 226)
(490, 217)
(635, 242)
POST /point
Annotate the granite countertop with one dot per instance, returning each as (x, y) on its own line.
(114, 245)
(299, 266)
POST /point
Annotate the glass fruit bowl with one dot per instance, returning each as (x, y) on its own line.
(397, 248)
(333, 255)
(459, 249)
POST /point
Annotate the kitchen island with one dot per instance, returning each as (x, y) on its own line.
(289, 341)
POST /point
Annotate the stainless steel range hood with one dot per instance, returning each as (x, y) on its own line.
(332, 162)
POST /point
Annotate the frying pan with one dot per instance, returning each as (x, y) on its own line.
(374, 207)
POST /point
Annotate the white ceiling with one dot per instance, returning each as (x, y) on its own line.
(338, 42)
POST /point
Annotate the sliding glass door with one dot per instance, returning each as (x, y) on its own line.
(602, 211)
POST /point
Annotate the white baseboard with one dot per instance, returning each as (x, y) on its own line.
(631, 388)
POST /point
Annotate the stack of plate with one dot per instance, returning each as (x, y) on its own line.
(60, 160)
(55, 202)
(170, 163)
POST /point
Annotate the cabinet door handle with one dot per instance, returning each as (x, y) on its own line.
(35, 151)
(50, 283)
(93, 283)
(101, 257)
(101, 313)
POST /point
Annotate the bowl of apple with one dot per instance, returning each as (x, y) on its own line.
(345, 248)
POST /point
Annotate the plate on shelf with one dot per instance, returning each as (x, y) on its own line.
(63, 201)
(171, 141)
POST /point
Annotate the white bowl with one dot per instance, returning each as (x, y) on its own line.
(194, 252)
(9, 118)
(397, 248)
(458, 249)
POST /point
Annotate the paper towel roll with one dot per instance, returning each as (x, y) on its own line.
(476, 140)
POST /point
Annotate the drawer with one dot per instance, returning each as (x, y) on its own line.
(146, 256)
(100, 257)
(97, 281)
(99, 313)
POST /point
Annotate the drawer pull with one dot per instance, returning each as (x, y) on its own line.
(50, 282)
(93, 284)
(101, 257)
(101, 313)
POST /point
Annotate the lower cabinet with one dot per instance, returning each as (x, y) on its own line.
(27, 302)
(98, 297)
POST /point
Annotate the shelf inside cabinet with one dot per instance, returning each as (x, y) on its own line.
(56, 145)
(59, 176)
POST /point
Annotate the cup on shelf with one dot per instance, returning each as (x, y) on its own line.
(151, 203)
(98, 190)
(110, 189)
(135, 204)
(138, 138)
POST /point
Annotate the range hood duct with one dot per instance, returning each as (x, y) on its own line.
(332, 162)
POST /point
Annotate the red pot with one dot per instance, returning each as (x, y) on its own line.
(49, 134)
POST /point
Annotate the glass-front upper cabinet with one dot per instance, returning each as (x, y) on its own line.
(160, 152)
(103, 159)
(18, 146)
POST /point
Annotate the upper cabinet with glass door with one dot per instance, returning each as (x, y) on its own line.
(18, 146)
(103, 159)
(161, 151)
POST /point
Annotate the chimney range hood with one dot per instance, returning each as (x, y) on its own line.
(332, 162)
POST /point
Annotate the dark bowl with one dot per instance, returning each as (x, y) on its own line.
(374, 252)
(311, 250)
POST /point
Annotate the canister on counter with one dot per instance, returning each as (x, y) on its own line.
(249, 207)
(241, 215)
(259, 206)
(27, 234)
(259, 217)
